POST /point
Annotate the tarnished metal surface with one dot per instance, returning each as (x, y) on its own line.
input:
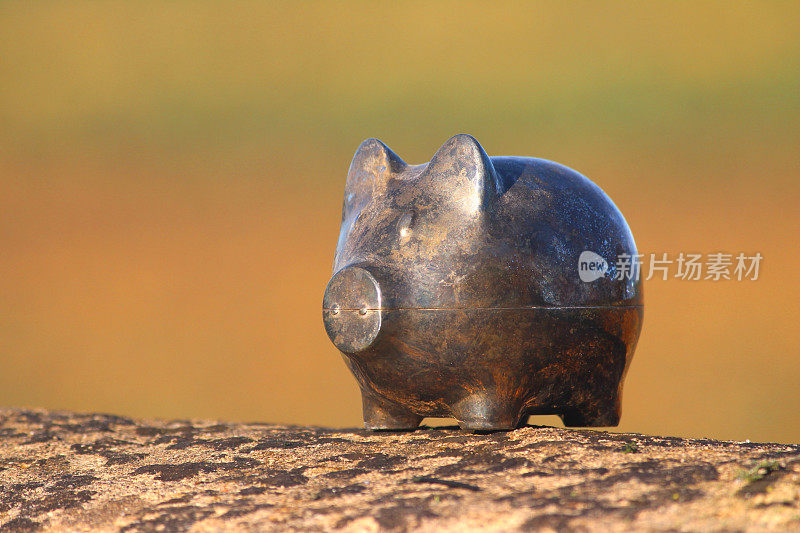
(456, 290)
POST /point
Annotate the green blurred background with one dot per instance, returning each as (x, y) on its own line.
(171, 177)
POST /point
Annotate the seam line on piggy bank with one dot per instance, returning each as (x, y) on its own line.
(494, 308)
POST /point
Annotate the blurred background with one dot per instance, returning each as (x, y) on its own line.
(171, 178)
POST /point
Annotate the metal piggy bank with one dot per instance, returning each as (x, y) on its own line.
(481, 288)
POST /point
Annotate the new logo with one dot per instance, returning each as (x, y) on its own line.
(591, 266)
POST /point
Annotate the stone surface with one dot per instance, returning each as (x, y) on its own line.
(65, 471)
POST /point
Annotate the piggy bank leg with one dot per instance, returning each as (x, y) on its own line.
(382, 414)
(483, 411)
(603, 413)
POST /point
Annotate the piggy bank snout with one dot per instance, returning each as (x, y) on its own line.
(351, 309)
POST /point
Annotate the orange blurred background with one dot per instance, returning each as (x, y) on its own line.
(171, 178)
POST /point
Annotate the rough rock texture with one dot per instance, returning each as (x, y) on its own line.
(65, 471)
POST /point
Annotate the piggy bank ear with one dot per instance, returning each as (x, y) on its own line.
(372, 165)
(460, 172)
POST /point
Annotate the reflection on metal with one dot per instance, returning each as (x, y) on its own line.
(456, 290)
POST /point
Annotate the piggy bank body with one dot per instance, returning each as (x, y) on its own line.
(456, 290)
